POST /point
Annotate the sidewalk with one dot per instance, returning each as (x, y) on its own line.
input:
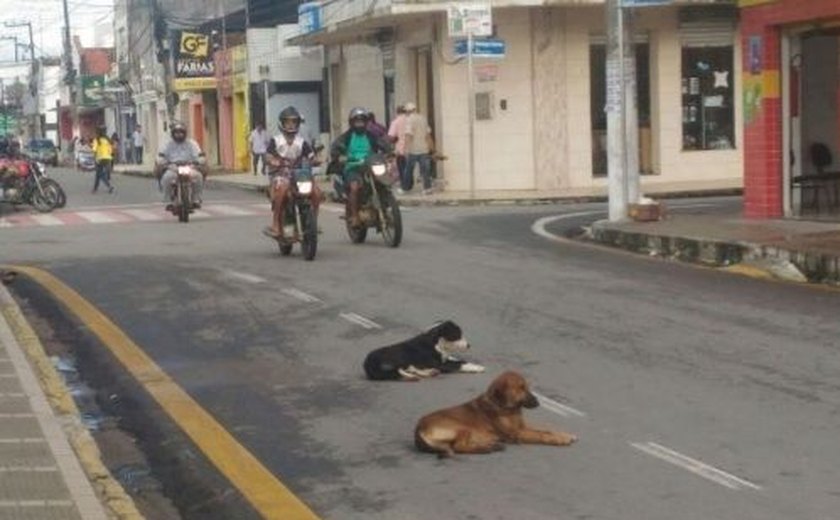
(249, 181)
(795, 250)
(50, 465)
(40, 476)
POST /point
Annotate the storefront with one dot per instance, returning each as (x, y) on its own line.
(540, 121)
(791, 68)
(232, 93)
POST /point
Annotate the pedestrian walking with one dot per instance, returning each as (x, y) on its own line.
(103, 153)
(396, 133)
(376, 129)
(417, 148)
(259, 146)
(138, 141)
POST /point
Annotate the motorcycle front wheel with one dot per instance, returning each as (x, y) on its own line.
(309, 223)
(392, 227)
(50, 184)
(185, 203)
(357, 235)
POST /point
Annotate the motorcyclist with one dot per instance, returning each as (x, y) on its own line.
(287, 152)
(180, 150)
(356, 145)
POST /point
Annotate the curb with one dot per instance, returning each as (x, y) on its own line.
(483, 201)
(751, 259)
(113, 497)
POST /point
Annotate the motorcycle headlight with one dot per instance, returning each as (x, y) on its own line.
(184, 170)
(379, 169)
(304, 187)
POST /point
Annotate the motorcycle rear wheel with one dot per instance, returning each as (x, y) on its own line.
(285, 248)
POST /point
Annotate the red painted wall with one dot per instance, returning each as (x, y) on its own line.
(763, 183)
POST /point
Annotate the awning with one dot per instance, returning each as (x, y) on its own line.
(357, 28)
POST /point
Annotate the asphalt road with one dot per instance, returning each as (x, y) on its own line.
(695, 394)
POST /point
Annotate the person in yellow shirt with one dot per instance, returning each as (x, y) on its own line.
(103, 153)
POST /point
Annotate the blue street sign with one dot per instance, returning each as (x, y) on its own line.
(483, 48)
(645, 3)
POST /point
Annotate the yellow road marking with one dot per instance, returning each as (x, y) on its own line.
(259, 486)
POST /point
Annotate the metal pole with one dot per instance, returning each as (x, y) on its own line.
(631, 111)
(471, 109)
(616, 152)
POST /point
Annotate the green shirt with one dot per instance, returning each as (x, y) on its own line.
(358, 149)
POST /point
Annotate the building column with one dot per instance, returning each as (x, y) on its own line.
(763, 176)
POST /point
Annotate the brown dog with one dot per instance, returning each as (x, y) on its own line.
(486, 423)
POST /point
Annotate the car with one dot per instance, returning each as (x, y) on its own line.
(43, 150)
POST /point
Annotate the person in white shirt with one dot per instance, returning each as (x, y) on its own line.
(259, 146)
(138, 141)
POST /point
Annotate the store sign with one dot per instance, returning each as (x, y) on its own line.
(484, 48)
(92, 89)
(466, 19)
(194, 65)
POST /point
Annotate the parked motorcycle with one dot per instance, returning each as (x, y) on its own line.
(300, 221)
(378, 207)
(181, 202)
(40, 169)
(23, 182)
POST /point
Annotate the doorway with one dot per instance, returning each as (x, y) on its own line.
(811, 104)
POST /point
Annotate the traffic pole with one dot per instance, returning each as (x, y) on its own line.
(471, 109)
(615, 109)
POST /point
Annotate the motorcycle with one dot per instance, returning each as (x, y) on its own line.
(24, 182)
(300, 222)
(181, 202)
(378, 207)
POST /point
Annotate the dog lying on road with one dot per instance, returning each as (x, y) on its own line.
(486, 423)
(425, 355)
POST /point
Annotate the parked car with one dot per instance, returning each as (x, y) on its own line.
(43, 150)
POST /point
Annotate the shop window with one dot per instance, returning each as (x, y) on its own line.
(598, 100)
(708, 111)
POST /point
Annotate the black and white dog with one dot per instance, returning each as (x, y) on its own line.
(425, 355)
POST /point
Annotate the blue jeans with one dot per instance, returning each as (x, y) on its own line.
(103, 174)
(425, 162)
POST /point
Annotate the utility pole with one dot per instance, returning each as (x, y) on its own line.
(631, 110)
(616, 145)
(70, 74)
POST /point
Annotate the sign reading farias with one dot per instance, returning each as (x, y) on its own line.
(194, 65)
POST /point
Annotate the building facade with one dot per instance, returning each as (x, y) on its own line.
(540, 121)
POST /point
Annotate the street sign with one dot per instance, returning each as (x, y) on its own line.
(485, 48)
(645, 3)
(466, 19)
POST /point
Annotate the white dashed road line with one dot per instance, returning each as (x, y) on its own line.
(245, 277)
(361, 321)
(695, 466)
(97, 217)
(47, 220)
(559, 408)
(300, 295)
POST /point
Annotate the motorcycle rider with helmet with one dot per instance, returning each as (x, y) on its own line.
(356, 145)
(180, 150)
(286, 153)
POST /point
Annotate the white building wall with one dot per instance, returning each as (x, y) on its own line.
(267, 48)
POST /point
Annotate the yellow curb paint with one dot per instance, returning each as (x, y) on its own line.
(260, 487)
(115, 498)
(750, 271)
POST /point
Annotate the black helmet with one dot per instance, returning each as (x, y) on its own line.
(289, 120)
(358, 115)
(177, 127)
